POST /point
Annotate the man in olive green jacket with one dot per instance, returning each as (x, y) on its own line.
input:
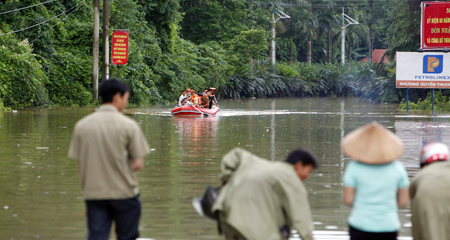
(430, 195)
(259, 197)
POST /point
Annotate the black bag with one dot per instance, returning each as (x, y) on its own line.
(204, 205)
(208, 200)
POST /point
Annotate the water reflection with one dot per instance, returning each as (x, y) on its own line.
(200, 133)
(41, 194)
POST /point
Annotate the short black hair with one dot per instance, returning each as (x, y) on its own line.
(301, 155)
(110, 87)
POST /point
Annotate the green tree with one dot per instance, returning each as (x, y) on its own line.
(144, 53)
(164, 16)
(308, 26)
(249, 46)
(220, 20)
(327, 21)
(21, 76)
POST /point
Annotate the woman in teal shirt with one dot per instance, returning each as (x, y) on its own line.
(375, 185)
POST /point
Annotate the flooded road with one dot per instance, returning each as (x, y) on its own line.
(41, 196)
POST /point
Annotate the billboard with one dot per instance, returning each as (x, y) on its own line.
(435, 25)
(119, 49)
(423, 70)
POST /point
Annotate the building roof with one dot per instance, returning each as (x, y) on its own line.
(377, 55)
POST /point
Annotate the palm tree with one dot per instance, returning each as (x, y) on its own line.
(376, 12)
(307, 24)
(327, 22)
(291, 30)
(290, 25)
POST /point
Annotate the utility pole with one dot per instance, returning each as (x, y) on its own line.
(272, 42)
(350, 21)
(95, 49)
(105, 69)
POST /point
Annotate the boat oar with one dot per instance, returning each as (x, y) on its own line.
(201, 113)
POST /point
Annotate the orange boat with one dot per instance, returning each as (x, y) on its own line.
(195, 111)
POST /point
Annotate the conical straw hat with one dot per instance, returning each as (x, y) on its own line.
(372, 144)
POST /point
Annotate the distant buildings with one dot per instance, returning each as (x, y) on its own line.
(377, 56)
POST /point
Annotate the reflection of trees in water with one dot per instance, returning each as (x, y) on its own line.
(197, 136)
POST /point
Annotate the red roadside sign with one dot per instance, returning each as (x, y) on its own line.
(119, 48)
(435, 25)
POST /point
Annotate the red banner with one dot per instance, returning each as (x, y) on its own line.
(119, 48)
(435, 29)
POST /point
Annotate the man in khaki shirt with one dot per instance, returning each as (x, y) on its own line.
(260, 197)
(110, 149)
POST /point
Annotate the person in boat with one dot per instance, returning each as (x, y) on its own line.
(196, 101)
(430, 196)
(185, 102)
(212, 98)
(261, 199)
(375, 185)
(205, 99)
(181, 98)
(189, 98)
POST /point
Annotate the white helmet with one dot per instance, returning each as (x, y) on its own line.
(433, 152)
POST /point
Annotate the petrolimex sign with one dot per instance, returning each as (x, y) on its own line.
(423, 70)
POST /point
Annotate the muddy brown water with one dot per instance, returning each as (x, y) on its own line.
(41, 196)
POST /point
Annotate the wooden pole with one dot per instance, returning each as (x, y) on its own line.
(105, 69)
(95, 51)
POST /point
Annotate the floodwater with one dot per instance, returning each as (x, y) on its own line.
(40, 194)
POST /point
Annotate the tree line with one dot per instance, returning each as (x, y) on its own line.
(46, 49)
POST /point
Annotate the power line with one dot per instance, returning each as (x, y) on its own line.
(355, 5)
(18, 9)
(60, 21)
(23, 29)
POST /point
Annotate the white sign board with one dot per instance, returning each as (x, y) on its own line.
(423, 70)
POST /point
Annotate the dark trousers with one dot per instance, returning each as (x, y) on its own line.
(125, 213)
(356, 234)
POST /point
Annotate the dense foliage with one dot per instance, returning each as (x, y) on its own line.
(46, 49)
(262, 79)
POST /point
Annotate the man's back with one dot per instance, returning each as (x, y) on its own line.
(105, 143)
(262, 196)
(430, 198)
(205, 100)
(110, 148)
(255, 200)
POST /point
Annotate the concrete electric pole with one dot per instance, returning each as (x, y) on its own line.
(272, 42)
(350, 21)
(105, 69)
(95, 49)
